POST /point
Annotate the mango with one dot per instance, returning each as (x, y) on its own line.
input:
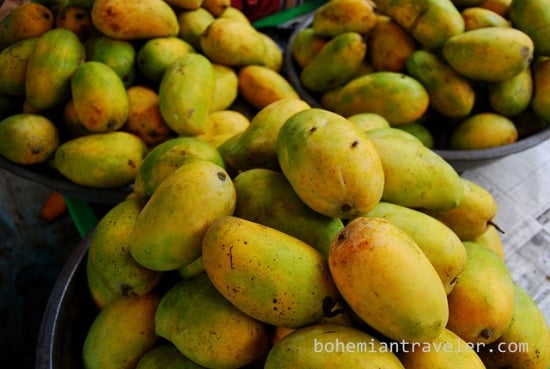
(27, 138)
(492, 240)
(304, 45)
(541, 93)
(99, 97)
(234, 13)
(185, 93)
(216, 7)
(123, 20)
(78, 19)
(490, 54)
(383, 93)
(192, 269)
(100, 293)
(501, 7)
(25, 20)
(222, 125)
(226, 88)
(445, 351)
(420, 131)
(389, 45)
(437, 241)
(477, 17)
(340, 16)
(367, 121)
(121, 333)
(335, 63)
(273, 58)
(261, 86)
(331, 346)
(526, 342)
(120, 55)
(166, 356)
(296, 289)
(192, 23)
(51, 66)
(533, 18)
(169, 229)
(430, 22)
(191, 310)
(482, 131)
(13, 66)
(256, 146)
(265, 196)
(512, 96)
(451, 94)
(388, 281)
(156, 55)
(481, 304)
(165, 158)
(331, 163)
(101, 160)
(424, 181)
(108, 253)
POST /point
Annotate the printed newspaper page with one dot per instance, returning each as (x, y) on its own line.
(521, 187)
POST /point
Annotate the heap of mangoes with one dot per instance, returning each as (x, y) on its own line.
(463, 74)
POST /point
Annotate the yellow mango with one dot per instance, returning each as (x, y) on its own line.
(222, 125)
(169, 229)
(13, 66)
(305, 44)
(323, 346)
(296, 289)
(101, 160)
(78, 19)
(483, 130)
(216, 7)
(234, 13)
(192, 23)
(185, 4)
(420, 131)
(367, 121)
(27, 138)
(339, 16)
(388, 281)
(191, 310)
(501, 7)
(382, 93)
(156, 55)
(330, 162)
(25, 20)
(124, 20)
(121, 333)
(99, 97)
(226, 87)
(437, 241)
(100, 293)
(477, 17)
(261, 86)
(533, 18)
(273, 58)
(492, 240)
(481, 304)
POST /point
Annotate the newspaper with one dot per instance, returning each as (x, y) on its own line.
(520, 185)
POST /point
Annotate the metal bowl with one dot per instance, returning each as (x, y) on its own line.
(460, 159)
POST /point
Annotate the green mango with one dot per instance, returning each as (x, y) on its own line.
(13, 66)
(169, 229)
(268, 274)
(532, 17)
(340, 16)
(192, 23)
(265, 196)
(156, 55)
(437, 241)
(512, 96)
(425, 180)
(166, 356)
(330, 346)
(330, 163)
(168, 156)
(207, 328)
(120, 55)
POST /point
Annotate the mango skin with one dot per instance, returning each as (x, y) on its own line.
(192, 309)
(296, 288)
(381, 93)
(185, 93)
(121, 333)
(226, 88)
(261, 86)
(265, 196)
(533, 18)
(108, 253)
(480, 312)
(305, 44)
(336, 63)
(388, 281)
(451, 94)
(304, 348)
(51, 66)
(541, 95)
(156, 55)
(101, 160)
(415, 183)
(512, 96)
(120, 55)
(27, 138)
(430, 22)
(528, 327)
(26, 20)
(166, 356)
(13, 66)
(477, 17)
(437, 241)
(169, 229)
(483, 130)
(331, 163)
(99, 97)
(340, 16)
(473, 53)
(192, 24)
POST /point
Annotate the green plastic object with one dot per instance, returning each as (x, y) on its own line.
(279, 18)
(82, 215)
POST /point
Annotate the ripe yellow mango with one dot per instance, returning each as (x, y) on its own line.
(330, 162)
(483, 130)
(389, 45)
(226, 87)
(492, 240)
(388, 281)
(477, 17)
(26, 20)
(268, 274)
(261, 86)
(207, 328)
(481, 304)
(121, 333)
(327, 346)
(437, 241)
(222, 125)
(169, 229)
(192, 23)
(340, 16)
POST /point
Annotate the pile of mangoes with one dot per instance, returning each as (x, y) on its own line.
(466, 74)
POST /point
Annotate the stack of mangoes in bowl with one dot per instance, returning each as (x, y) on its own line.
(469, 77)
